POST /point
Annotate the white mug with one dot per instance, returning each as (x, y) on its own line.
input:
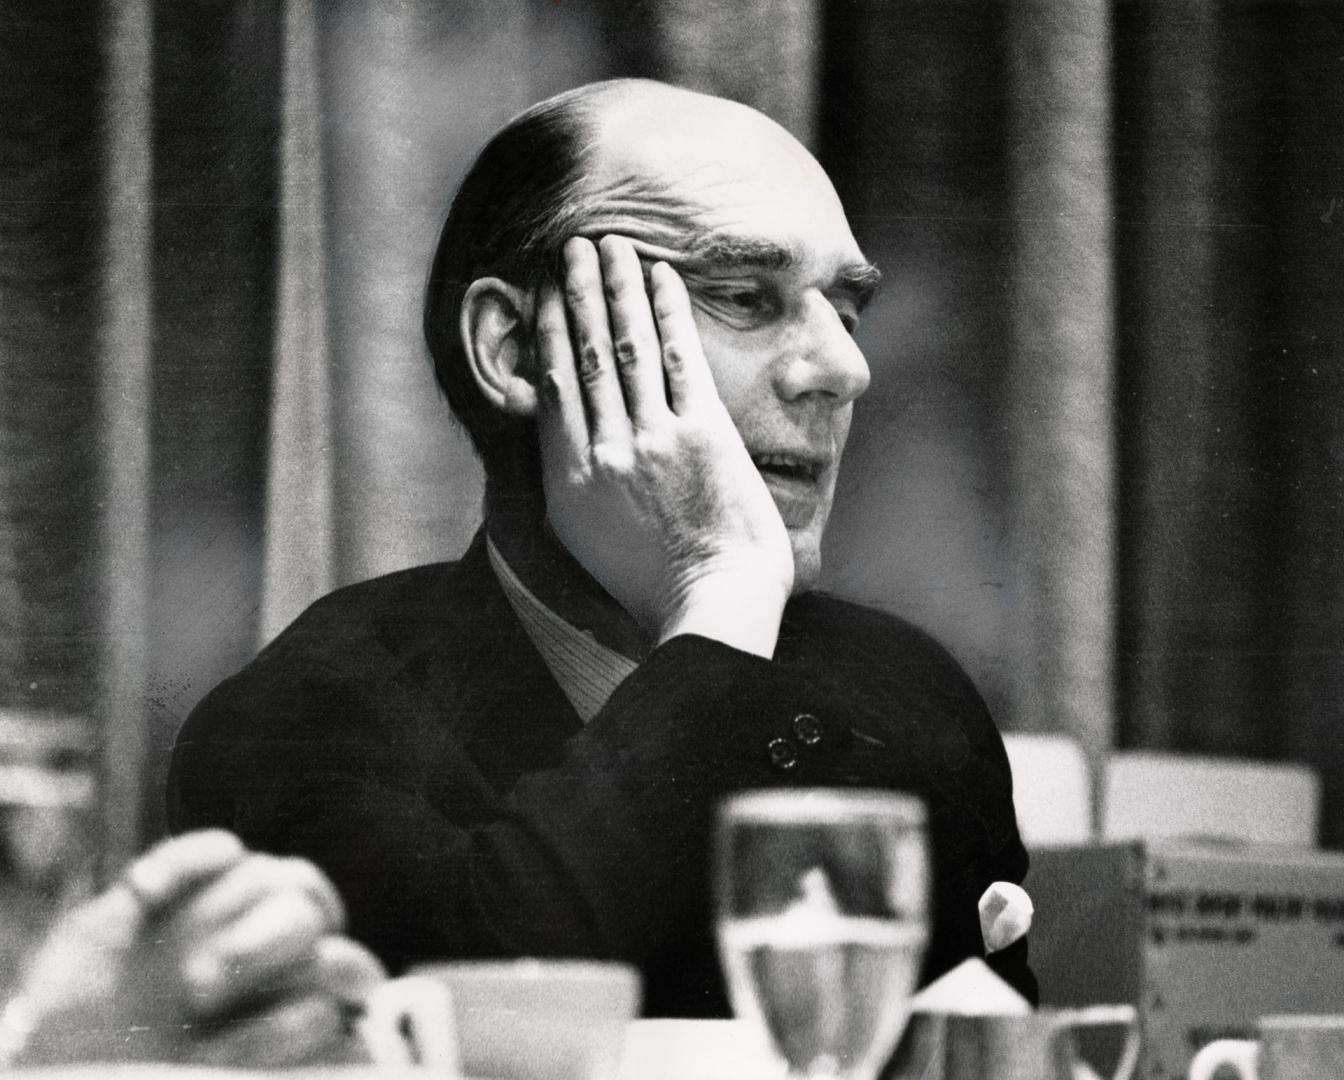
(1288, 1048)
(524, 1019)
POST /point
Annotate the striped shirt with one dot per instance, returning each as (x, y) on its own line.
(586, 670)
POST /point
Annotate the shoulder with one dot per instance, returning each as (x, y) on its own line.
(905, 689)
(362, 675)
(881, 646)
(369, 643)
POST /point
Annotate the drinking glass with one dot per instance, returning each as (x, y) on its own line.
(822, 908)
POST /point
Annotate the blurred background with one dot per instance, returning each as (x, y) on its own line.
(1102, 458)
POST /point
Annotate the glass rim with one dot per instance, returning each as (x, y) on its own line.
(821, 804)
(1301, 1021)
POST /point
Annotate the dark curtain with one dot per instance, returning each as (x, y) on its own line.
(1101, 458)
(50, 223)
(1230, 174)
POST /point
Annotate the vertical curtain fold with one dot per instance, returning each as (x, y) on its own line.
(1307, 711)
(912, 107)
(299, 523)
(1199, 470)
(50, 216)
(410, 91)
(1060, 381)
(1176, 418)
(124, 422)
(213, 251)
(764, 53)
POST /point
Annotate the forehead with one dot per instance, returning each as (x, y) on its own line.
(683, 166)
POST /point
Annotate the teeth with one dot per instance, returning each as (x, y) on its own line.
(787, 462)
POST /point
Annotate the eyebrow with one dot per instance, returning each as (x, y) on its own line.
(860, 280)
(727, 250)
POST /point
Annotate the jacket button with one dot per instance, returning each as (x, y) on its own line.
(783, 754)
(807, 728)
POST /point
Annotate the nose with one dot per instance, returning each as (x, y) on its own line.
(824, 362)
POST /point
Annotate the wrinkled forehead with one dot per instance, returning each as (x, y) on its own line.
(675, 170)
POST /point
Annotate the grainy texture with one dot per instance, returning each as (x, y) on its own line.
(1061, 378)
(1219, 514)
(125, 423)
(299, 484)
(50, 214)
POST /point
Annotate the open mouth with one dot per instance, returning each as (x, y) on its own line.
(788, 467)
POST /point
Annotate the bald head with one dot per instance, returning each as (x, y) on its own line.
(690, 178)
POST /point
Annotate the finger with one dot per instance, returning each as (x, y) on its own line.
(634, 336)
(586, 302)
(252, 881)
(336, 966)
(345, 970)
(690, 383)
(254, 955)
(290, 1032)
(174, 867)
(562, 425)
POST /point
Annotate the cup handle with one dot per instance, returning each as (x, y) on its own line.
(1109, 1016)
(410, 1021)
(1241, 1054)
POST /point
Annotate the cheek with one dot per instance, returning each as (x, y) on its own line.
(740, 366)
(844, 417)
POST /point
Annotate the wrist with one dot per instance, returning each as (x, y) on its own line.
(740, 611)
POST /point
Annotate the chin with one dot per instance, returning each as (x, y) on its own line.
(806, 564)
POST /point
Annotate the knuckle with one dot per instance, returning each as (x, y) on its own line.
(654, 444)
(575, 290)
(260, 866)
(610, 461)
(578, 287)
(300, 869)
(590, 362)
(308, 920)
(627, 352)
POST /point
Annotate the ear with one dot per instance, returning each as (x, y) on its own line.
(494, 337)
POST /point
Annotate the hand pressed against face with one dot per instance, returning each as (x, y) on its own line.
(776, 280)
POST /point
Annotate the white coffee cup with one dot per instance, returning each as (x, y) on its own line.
(1288, 1048)
(521, 1019)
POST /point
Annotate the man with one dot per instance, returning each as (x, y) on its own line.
(641, 308)
(202, 953)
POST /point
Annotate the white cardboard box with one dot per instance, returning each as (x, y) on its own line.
(1202, 939)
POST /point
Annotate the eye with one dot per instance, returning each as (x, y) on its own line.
(849, 315)
(747, 299)
(742, 306)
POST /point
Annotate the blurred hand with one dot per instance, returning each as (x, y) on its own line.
(202, 953)
(648, 483)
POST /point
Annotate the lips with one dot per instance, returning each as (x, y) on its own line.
(804, 468)
(794, 480)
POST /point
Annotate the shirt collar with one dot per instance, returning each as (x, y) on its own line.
(587, 672)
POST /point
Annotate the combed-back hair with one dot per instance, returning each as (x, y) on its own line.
(510, 219)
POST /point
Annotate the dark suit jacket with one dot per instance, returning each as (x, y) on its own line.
(406, 736)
